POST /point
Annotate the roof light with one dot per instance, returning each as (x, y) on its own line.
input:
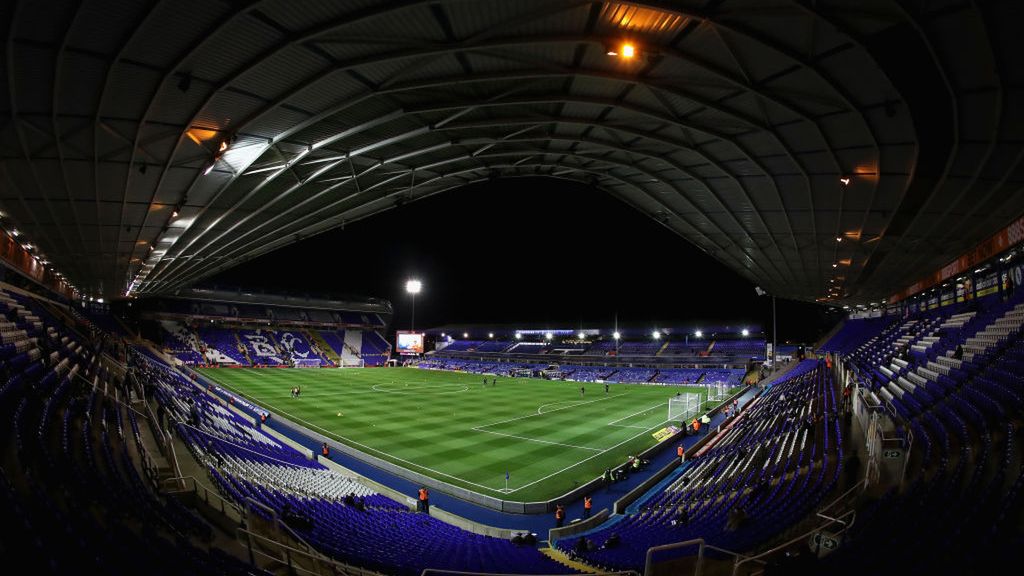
(628, 50)
(616, 335)
(15, 232)
(519, 336)
(549, 336)
(745, 332)
(656, 335)
(209, 168)
(465, 335)
(582, 335)
(490, 334)
(845, 180)
(698, 334)
(413, 286)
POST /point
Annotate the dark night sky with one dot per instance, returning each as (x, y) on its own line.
(539, 251)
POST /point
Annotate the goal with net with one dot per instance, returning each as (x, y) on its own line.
(684, 407)
(306, 362)
(717, 392)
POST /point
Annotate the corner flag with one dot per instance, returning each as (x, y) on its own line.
(506, 474)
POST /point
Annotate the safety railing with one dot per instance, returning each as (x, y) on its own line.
(207, 495)
(266, 552)
(701, 547)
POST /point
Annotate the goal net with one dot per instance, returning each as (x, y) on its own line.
(717, 392)
(684, 407)
(306, 362)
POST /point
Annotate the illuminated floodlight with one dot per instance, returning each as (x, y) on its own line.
(443, 334)
(628, 50)
(745, 332)
(616, 335)
(582, 335)
(413, 286)
(698, 334)
(519, 336)
(656, 335)
(490, 334)
(100, 300)
(845, 181)
(465, 335)
(549, 336)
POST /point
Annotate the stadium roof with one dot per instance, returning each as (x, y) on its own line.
(150, 144)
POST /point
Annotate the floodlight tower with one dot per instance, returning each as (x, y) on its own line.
(775, 342)
(413, 287)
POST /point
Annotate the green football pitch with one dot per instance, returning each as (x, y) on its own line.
(449, 425)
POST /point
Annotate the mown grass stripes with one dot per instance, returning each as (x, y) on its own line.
(464, 432)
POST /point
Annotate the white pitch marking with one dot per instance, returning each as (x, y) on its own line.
(613, 422)
(353, 442)
(537, 440)
(582, 461)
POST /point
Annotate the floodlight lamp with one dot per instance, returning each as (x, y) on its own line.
(549, 336)
(582, 335)
(413, 286)
(519, 336)
(845, 181)
(745, 332)
(616, 335)
(490, 334)
(100, 300)
(628, 50)
(698, 334)
(656, 335)
(465, 335)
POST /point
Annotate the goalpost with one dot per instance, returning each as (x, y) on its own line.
(684, 407)
(717, 392)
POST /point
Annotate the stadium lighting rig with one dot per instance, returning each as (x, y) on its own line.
(698, 334)
(745, 332)
(413, 287)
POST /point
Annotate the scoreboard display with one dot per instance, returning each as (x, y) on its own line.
(410, 343)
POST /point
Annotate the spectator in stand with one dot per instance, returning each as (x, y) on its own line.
(588, 503)
(1008, 288)
(695, 425)
(705, 421)
(559, 515)
(325, 451)
(682, 516)
(681, 452)
(959, 352)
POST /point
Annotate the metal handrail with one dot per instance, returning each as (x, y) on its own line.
(701, 546)
(288, 552)
(207, 491)
(428, 571)
(795, 539)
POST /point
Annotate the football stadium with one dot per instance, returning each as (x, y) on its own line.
(512, 287)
